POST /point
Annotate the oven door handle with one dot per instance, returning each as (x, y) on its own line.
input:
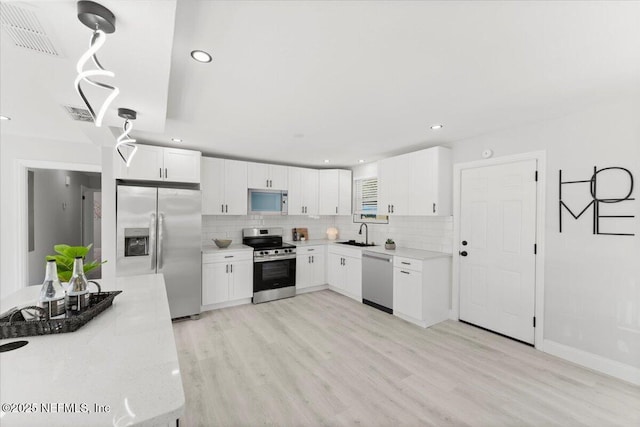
(273, 259)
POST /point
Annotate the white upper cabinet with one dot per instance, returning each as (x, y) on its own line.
(303, 191)
(394, 185)
(152, 163)
(345, 188)
(334, 192)
(223, 187)
(416, 183)
(181, 165)
(431, 173)
(266, 176)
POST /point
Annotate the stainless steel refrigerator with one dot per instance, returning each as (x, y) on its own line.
(159, 231)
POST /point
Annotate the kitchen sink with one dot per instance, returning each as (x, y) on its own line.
(354, 243)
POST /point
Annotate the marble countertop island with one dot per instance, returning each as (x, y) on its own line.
(119, 369)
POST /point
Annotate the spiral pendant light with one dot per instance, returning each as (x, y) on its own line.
(102, 22)
(124, 140)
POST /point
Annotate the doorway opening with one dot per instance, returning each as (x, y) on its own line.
(63, 207)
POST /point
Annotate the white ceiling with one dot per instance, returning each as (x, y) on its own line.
(300, 82)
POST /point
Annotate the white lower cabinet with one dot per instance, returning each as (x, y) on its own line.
(344, 271)
(310, 267)
(227, 277)
(421, 289)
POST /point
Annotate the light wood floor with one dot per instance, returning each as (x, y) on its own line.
(324, 359)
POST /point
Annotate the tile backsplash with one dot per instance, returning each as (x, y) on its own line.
(420, 232)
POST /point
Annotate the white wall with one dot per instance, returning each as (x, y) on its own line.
(592, 282)
(16, 153)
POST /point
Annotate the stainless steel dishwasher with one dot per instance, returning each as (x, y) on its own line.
(377, 281)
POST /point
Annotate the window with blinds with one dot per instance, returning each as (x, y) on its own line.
(366, 196)
(366, 201)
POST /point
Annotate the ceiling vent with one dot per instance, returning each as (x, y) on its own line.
(79, 114)
(25, 29)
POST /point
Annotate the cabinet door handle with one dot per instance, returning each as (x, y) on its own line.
(405, 272)
(222, 208)
(405, 263)
(166, 175)
(231, 265)
(434, 208)
(393, 208)
(308, 260)
(388, 208)
(227, 269)
(313, 259)
(310, 250)
(160, 172)
(228, 256)
(226, 208)
(302, 209)
(336, 209)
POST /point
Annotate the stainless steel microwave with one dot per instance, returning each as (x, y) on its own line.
(267, 202)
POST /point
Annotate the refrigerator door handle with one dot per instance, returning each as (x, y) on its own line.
(152, 240)
(160, 238)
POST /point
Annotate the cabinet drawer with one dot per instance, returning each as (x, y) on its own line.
(227, 256)
(345, 251)
(407, 263)
(303, 250)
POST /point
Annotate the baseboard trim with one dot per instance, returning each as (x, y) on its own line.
(311, 289)
(593, 361)
(225, 304)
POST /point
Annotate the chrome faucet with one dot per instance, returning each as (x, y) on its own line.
(366, 241)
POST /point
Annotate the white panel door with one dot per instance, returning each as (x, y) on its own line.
(498, 224)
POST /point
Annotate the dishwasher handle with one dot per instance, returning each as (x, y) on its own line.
(376, 256)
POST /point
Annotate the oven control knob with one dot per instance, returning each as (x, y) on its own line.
(275, 252)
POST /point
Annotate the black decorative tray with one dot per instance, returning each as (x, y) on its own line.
(13, 324)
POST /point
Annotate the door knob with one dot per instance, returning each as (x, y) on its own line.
(463, 253)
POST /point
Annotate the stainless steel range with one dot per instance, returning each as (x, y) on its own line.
(274, 264)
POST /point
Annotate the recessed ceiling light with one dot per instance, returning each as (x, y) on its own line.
(435, 127)
(360, 161)
(326, 161)
(201, 56)
(176, 139)
(5, 118)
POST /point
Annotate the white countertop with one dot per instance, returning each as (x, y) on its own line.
(406, 252)
(403, 252)
(210, 249)
(311, 242)
(125, 358)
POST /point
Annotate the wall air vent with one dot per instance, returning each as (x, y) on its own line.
(25, 29)
(79, 114)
